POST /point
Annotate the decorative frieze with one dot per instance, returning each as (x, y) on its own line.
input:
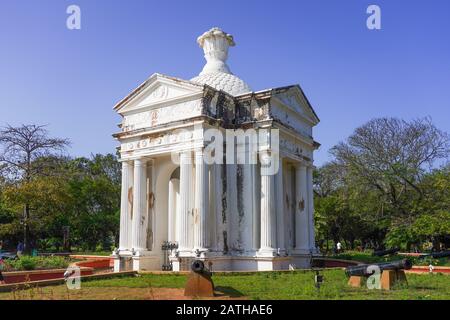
(163, 115)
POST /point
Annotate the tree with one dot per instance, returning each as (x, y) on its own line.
(383, 186)
(21, 149)
(95, 189)
(343, 209)
(391, 156)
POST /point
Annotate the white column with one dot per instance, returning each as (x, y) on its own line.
(201, 203)
(256, 204)
(268, 221)
(301, 211)
(139, 205)
(214, 197)
(185, 203)
(312, 240)
(173, 188)
(280, 212)
(125, 206)
(177, 212)
(130, 206)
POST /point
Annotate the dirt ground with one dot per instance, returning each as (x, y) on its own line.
(108, 293)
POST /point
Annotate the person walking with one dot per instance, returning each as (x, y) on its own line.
(20, 249)
(338, 247)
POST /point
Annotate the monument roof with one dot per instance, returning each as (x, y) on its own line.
(216, 73)
(223, 81)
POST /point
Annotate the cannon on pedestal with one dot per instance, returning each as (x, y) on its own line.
(390, 273)
(382, 253)
(437, 255)
(363, 270)
(199, 282)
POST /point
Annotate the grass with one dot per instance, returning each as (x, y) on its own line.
(298, 285)
(366, 257)
(92, 253)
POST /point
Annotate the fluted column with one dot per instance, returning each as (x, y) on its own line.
(173, 188)
(268, 221)
(312, 240)
(125, 206)
(301, 211)
(201, 202)
(185, 203)
(139, 205)
(280, 212)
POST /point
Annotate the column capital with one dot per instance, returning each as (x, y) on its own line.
(199, 154)
(300, 165)
(185, 157)
(264, 158)
(140, 162)
(199, 150)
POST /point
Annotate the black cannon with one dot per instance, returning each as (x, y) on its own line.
(198, 266)
(363, 270)
(442, 254)
(381, 253)
(437, 255)
(199, 282)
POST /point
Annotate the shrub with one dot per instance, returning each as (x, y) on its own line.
(53, 262)
(24, 263)
(32, 263)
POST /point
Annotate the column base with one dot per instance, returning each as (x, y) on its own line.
(184, 253)
(143, 262)
(217, 263)
(200, 252)
(122, 262)
(266, 252)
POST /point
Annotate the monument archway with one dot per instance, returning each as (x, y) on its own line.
(165, 177)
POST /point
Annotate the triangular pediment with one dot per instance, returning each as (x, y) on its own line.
(295, 100)
(156, 91)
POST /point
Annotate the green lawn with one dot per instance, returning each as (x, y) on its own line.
(367, 257)
(265, 285)
(92, 253)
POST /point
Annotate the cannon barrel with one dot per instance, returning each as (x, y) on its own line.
(198, 266)
(381, 253)
(443, 254)
(364, 270)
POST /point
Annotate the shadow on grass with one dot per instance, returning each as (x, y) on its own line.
(228, 291)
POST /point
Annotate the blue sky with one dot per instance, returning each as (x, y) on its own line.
(70, 79)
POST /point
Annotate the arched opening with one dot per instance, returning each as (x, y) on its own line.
(164, 172)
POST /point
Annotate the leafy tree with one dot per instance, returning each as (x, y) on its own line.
(95, 188)
(392, 155)
(21, 149)
(380, 187)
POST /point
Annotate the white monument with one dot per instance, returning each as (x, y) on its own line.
(252, 207)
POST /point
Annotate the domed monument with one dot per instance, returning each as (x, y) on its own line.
(212, 170)
(216, 72)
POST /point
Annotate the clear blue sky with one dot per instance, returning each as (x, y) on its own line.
(70, 79)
